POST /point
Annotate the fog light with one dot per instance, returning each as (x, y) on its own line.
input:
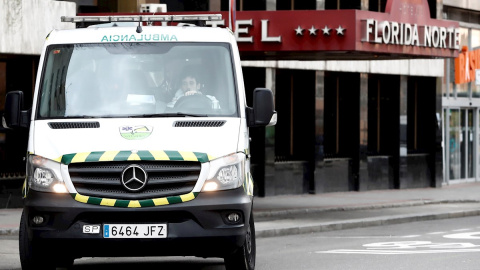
(59, 188)
(38, 220)
(233, 217)
(210, 186)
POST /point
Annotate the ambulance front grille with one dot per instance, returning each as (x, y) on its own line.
(202, 123)
(70, 125)
(103, 179)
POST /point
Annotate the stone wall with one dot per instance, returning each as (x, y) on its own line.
(25, 23)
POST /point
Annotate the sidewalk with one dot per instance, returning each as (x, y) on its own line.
(294, 214)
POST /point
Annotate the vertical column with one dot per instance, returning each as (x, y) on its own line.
(319, 123)
(438, 151)
(271, 5)
(3, 84)
(475, 144)
(270, 140)
(440, 10)
(446, 124)
(363, 149)
(364, 4)
(215, 5)
(320, 4)
(401, 161)
(319, 131)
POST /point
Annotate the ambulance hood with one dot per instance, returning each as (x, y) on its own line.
(215, 137)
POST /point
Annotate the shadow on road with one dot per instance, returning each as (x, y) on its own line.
(147, 264)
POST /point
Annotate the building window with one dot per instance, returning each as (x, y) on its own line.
(296, 4)
(243, 5)
(295, 106)
(421, 118)
(341, 137)
(377, 5)
(383, 114)
(343, 4)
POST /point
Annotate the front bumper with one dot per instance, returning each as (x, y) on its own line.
(195, 228)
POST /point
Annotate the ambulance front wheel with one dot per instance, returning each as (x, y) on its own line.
(31, 256)
(244, 257)
(34, 256)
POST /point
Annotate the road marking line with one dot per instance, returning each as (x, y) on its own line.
(461, 230)
(395, 252)
(467, 235)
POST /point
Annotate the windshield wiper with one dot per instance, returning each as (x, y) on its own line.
(178, 114)
(81, 116)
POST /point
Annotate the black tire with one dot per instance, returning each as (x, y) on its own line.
(31, 257)
(244, 258)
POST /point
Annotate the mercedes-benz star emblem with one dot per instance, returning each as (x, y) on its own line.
(134, 178)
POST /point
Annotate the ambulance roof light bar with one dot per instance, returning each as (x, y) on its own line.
(142, 18)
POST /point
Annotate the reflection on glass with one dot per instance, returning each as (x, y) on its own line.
(463, 142)
(470, 132)
(475, 39)
(462, 89)
(451, 73)
(455, 145)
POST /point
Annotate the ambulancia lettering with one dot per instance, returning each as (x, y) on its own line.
(141, 37)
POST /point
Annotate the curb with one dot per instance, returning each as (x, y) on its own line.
(4, 232)
(361, 223)
(285, 213)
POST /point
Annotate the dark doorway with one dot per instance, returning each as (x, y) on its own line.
(384, 130)
(295, 129)
(341, 131)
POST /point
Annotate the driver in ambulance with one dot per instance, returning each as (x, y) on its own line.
(190, 85)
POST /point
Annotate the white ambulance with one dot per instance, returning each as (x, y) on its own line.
(138, 144)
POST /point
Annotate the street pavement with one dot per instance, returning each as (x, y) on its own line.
(297, 214)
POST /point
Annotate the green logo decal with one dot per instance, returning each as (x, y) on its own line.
(135, 132)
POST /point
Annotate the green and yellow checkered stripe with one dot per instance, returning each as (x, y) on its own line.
(248, 184)
(134, 203)
(25, 189)
(134, 155)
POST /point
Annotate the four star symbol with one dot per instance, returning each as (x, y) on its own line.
(325, 30)
(299, 31)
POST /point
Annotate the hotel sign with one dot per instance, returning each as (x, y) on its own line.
(411, 34)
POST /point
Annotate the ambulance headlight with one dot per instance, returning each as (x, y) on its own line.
(44, 175)
(225, 173)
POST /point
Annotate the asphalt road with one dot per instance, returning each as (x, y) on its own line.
(439, 244)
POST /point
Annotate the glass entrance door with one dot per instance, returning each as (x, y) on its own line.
(453, 134)
(460, 150)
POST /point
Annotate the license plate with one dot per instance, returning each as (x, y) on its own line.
(91, 229)
(135, 231)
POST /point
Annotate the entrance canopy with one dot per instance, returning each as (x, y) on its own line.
(405, 30)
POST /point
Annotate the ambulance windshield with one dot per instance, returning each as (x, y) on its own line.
(137, 80)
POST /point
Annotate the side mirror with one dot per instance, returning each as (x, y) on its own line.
(14, 117)
(263, 112)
